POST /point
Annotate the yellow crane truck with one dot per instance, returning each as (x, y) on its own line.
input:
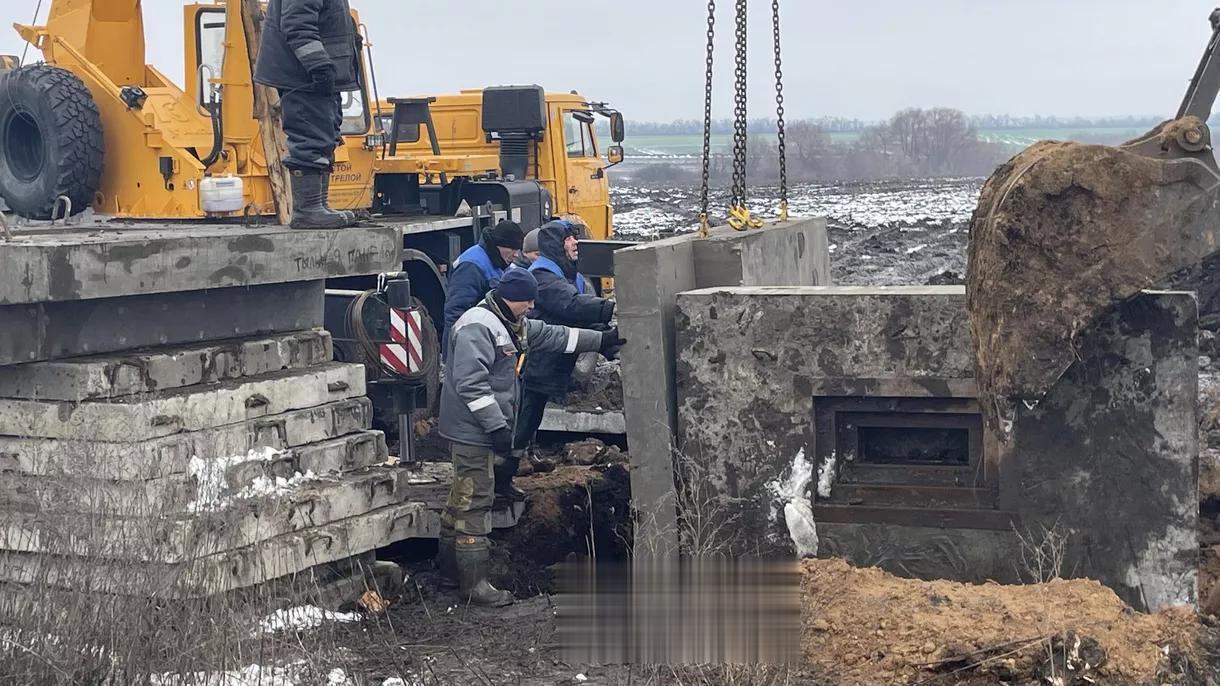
(94, 126)
(566, 157)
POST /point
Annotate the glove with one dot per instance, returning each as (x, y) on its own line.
(502, 441)
(323, 78)
(607, 312)
(611, 343)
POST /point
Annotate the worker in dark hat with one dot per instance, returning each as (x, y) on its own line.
(310, 54)
(478, 409)
(478, 270)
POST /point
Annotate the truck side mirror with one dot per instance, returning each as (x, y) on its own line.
(614, 154)
(618, 130)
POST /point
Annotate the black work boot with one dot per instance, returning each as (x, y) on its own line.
(446, 559)
(473, 559)
(308, 212)
(504, 477)
(348, 215)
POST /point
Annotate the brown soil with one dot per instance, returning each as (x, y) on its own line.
(603, 394)
(1062, 232)
(870, 627)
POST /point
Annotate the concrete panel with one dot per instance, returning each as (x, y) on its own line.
(164, 368)
(750, 362)
(649, 278)
(1109, 458)
(571, 421)
(241, 568)
(84, 264)
(182, 410)
(310, 431)
(176, 538)
(49, 331)
(209, 478)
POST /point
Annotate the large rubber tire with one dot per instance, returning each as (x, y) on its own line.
(50, 141)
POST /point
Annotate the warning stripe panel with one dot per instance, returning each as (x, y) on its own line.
(395, 357)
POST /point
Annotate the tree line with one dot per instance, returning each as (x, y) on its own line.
(847, 125)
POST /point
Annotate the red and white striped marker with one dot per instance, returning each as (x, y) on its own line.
(405, 355)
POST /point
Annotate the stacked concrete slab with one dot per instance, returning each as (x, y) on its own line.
(171, 422)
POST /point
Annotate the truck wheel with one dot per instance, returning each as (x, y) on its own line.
(50, 141)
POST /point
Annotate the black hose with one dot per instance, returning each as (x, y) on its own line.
(218, 133)
(372, 353)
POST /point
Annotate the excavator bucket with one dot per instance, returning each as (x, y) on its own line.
(1065, 231)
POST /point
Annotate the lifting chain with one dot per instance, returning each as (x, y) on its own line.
(779, 115)
(739, 215)
(737, 194)
(707, 117)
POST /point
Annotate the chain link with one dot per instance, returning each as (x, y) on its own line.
(737, 197)
(707, 117)
(779, 115)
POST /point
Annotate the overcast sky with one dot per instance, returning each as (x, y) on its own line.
(866, 58)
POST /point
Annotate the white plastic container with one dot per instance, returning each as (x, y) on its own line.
(221, 194)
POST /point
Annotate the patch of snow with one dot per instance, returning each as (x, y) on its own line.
(338, 677)
(253, 675)
(210, 474)
(302, 618)
(581, 678)
(917, 248)
(826, 476)
(791, 491)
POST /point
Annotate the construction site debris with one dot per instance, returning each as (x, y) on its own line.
(1062, 232)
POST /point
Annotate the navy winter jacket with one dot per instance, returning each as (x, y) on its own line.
(559, 302)
(476, 271)
(298, 35)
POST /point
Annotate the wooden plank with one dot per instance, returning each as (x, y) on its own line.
(267, 112)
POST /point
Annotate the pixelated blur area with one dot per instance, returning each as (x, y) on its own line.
(680, 612)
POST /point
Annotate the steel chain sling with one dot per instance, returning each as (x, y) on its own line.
(779, 115)
(707, 118)
(739, 216)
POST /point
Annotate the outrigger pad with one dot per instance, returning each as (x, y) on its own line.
(1062, 234)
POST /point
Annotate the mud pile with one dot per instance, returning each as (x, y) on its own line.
(869, 627)
(1062, 232)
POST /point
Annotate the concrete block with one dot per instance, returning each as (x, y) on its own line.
(86, 264)
(1108, 460)
(239, 521)
(182, 410)
(751, 361)
(227, 571)
(649, 278)
(310, 431)
(209, 477)
(572, 421)
(57, 330)
(163, 368)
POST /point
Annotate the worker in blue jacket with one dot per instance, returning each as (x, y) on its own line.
(477, 271)
(562, 301)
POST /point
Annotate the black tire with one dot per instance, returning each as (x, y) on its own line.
(50, 141)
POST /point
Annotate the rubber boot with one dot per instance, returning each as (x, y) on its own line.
(504, 477)
(446, 560)
(308, 211)
(348, 215)
(473, 559)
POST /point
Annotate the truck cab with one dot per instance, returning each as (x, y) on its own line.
(565, 156)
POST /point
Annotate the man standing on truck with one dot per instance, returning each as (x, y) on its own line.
(477, 270)
(478, 410)
(562, 300)
(310, 54)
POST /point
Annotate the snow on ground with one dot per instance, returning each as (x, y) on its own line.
(303, 618)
